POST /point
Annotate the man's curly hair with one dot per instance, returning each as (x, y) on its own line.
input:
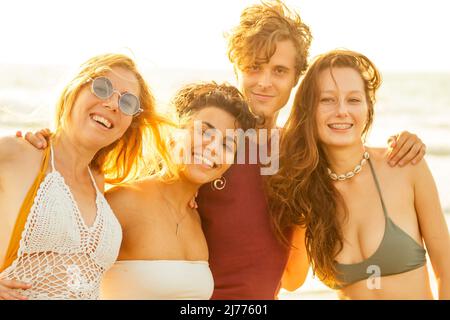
(261, 27)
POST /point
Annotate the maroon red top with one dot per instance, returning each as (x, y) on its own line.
(246, 258)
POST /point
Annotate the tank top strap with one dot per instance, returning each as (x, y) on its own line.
(22, 217)
(378, 187)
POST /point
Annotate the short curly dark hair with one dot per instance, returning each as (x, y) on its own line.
(194, 97)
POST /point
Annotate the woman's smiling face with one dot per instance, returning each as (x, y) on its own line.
(342, 109)
(97, 122)
(211, 141)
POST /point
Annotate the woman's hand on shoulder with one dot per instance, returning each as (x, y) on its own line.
(38, 139)
(405, 148)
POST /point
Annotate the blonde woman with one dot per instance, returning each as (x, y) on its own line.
(164, 254)
(58, 234)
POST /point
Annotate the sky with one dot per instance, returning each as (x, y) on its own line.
(397, 35)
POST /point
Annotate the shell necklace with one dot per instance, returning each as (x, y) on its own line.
(350, 174)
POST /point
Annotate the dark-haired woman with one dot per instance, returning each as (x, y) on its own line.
(164, 254)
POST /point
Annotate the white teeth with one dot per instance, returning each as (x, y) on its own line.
(102, 120)
(340, 126)
(201, 159)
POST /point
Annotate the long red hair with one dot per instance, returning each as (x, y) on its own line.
(301, 193)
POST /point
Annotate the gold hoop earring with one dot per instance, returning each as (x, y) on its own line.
(219, 184)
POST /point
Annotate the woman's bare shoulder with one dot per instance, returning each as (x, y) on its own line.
(121, 192)
(380, 157)
(378, 153)
(132, 190)
(130, 199)
(10, 147)
(13, 149)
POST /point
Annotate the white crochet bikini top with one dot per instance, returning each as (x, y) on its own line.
(59, 255)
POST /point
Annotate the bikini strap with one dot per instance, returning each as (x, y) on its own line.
(378, 187)
(93, 180)
(52, 158)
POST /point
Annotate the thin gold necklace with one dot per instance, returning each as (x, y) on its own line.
(173, 211)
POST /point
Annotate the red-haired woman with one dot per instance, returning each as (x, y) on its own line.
(366, 223)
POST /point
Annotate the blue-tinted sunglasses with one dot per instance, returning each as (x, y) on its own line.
(129, 104)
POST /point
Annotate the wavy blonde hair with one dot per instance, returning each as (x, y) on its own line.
(301, 193)
(125, 158)
(261, 26)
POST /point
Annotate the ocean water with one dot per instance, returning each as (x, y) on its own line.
(417, 102)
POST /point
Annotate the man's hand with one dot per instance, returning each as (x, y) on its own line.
(8, 292)
(39, 139)
(405, 148)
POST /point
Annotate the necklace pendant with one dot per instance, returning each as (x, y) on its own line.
(176, 231)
